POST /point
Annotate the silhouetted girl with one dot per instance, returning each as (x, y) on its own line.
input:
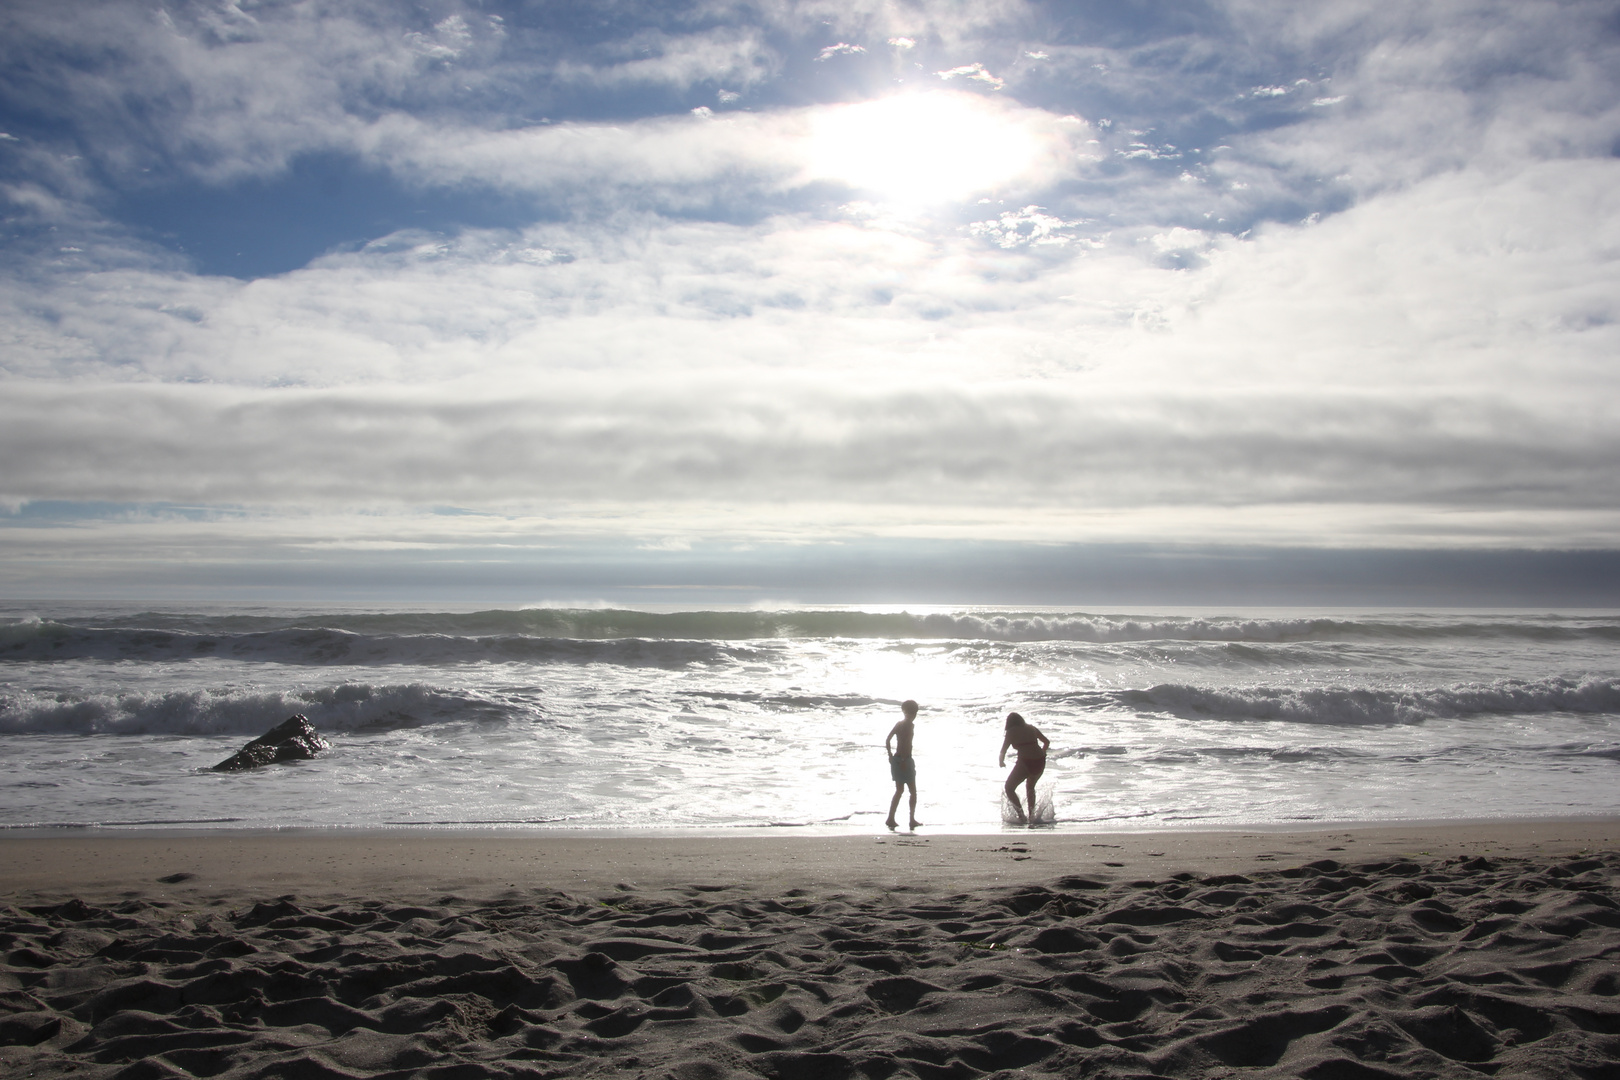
(1030, 745)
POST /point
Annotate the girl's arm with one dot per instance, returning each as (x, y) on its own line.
(1001, 759)
(1046, 744)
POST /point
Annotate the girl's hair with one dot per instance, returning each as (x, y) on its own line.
(1014, 720)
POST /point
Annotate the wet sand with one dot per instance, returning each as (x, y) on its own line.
(1358, 952)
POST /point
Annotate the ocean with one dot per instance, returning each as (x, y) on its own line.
(736, 719)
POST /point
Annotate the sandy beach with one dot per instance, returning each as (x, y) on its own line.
(1340, 953)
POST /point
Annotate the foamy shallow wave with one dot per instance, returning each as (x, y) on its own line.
(345, 707)
(1361, 705)
(639, 638)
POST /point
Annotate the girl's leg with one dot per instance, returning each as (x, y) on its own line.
(1029, 785)
(1013, 780)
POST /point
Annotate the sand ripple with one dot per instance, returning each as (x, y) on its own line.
(1328, 972)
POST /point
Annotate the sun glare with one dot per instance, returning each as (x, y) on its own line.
(925, 148)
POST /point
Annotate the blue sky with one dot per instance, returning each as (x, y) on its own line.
(408, 297)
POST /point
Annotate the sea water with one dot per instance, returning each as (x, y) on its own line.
(569, 719)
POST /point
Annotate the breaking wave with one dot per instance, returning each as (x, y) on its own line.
(346, 707)
(1349, 706)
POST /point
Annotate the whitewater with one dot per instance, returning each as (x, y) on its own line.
(721, 719)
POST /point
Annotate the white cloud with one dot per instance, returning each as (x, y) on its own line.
(1468, 279)
(664, 159)
(974, 72)
(1030, 225)
(1476, 85)
(737, 55)
(843, 48)
(175, 92)
(1180, 240)
(449, 38)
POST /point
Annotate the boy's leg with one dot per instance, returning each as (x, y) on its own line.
(894, 804)
(913, 810)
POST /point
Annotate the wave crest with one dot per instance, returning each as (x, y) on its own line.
(1351, 706)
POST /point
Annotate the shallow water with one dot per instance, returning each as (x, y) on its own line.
(730, 718)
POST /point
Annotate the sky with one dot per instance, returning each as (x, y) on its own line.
(842, 302)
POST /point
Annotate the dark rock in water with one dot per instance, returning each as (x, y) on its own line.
(291, 740)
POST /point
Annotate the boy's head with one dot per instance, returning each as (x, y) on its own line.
(909, 707)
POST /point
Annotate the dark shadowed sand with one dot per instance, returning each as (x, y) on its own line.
(1487, 949)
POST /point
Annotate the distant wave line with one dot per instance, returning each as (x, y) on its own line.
(639, 638)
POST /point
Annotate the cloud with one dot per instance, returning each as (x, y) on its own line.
(1427, 90)
(712, 324)
(449, 38)
(139, 92)
(1031, 225)
(244, 97)
(974, 72)
(1467, 279)
(668, 162)
(843, 48)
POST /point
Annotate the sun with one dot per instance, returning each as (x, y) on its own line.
(922, 149)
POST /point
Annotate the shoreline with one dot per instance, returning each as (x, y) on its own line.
(209, 827)
(410, 862)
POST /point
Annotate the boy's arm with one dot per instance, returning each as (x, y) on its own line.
(889, 737)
